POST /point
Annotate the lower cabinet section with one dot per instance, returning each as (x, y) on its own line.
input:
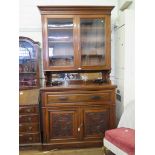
(68, 119)
(61, 124)
(69, 126)
(96, 122)
(29, 127)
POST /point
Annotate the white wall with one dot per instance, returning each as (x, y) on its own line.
(124, 64)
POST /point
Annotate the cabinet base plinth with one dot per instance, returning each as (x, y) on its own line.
(66, 145)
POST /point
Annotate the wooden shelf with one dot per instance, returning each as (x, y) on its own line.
(91, 55)
(91, 28)
(60, 28)
(62, 57)
(70, 41)
(27, 72)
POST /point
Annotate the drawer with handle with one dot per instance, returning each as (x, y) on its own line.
(29, 138)
(50, 98)
(28, 127)
(28, 118)
(28, 109)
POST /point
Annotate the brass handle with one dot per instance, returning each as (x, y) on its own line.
(95, 97)
(28, 110)
(29, 118)
(30, 138)
(63, 98)
(30, 127)
(79, 128)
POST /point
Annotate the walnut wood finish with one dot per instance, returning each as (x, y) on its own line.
(29, 126)
(35, 45)
(76, 115)
(78, 120)
(76, 13)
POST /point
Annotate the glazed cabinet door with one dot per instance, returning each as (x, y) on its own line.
(94, 42)
(28, 63)
(60, 125)
(59, 42)
(96, 120)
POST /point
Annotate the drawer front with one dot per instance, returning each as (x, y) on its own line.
(28, 118)
(64, 98)
(28, 110)
(29, 138)
(28, 127)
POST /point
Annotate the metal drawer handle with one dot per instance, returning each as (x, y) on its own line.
(63, 98)
(95, 97)
(29, 118)
(30, 127)
(28, 110)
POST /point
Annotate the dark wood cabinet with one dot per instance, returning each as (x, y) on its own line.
(78, 98)
(29, 119)
(76, 117)
(28, 63)
(29, 126)
(61, 124)
(76, 38)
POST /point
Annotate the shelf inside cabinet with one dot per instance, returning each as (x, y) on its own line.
(60, 28)
(61, 41)
(61, 56)
(27, 72)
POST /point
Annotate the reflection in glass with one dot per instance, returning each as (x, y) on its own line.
(60, 42)
(92, 41)
(27, 64)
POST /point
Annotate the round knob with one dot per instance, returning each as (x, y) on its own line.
(30, 138)
(28, 110)
(79, 68)
(30, 127)
(29, 118)
(21, 93)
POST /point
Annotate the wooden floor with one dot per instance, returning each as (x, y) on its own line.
(90, 151)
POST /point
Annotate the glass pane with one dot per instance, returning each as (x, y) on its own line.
(60, 42)
(92, 42)
(27, 65)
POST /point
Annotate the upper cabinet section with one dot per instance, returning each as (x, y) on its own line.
(28, 63)
(76, 38)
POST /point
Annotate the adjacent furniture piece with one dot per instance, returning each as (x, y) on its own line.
(29, 119)
(78, 99)
(121, 141)
(29, 115)
(28, 63)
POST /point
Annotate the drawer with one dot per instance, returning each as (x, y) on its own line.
(28, 109)
(50, 98)
(29, 138)
(29, 118)
(29, 127)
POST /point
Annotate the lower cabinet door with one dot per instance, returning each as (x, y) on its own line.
(60, 125)
(96, 121)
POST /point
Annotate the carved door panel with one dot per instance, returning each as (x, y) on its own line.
(96, 121)
(61, 124)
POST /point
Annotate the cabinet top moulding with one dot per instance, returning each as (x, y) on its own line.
(45, 10)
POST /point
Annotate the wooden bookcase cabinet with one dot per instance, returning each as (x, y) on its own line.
(29, 84)
(76, 39)
(77, 117)
(28, 63)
